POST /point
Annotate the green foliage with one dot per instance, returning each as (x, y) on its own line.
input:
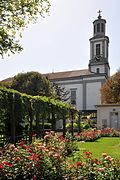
(68, 126)
(89, 123)
(15, 16)
(48, 158)
(19, 111)
(32, 83)
(110, 92)
(6, 84)
(46, 125)
(42, 159)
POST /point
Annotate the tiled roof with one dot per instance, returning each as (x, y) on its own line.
(59, 75)
(68, 74)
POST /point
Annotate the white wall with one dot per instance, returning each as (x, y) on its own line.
(101, 67)
(79, 93)
(93, 94)
(93, 85)
(103, 113)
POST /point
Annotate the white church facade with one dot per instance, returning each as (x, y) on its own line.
(84, 85)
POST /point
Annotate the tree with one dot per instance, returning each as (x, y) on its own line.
(6, 83)
(60, 93)
(110, 92)
(15, 15)
(32, 83)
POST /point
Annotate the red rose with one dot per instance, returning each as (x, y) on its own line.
(1, 167)
(79, 164)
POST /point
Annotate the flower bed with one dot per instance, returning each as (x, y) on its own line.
(110, 132)
(88, 135)
(48, 159)
(42, 159)
(90, 169)
(93, 134)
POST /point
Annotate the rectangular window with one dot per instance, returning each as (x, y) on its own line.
(98, 27)
(73, 97)
(97, 49)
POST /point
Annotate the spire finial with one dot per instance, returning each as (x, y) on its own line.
(99, 16)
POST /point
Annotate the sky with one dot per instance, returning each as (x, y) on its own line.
(60, 41)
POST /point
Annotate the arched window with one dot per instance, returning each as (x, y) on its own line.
(98, 27)
(102, 27)
(98, 70)
(94, 29)
(97, 49)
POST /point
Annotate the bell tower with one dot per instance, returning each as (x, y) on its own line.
(99, 44)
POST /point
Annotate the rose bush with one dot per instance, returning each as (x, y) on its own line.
(42, 159)
(47, 159)
(93, 134)
(91, 169)
(110, 132)
(88, 135)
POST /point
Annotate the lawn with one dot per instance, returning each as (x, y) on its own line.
(109, 145)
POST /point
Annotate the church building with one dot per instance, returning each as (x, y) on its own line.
(84, 85)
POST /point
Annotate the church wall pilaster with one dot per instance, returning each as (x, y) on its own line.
(84, 96)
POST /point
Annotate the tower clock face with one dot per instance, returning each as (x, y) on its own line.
(98, 57)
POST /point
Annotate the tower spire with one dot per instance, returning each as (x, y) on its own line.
(99, 14)
(99, 44)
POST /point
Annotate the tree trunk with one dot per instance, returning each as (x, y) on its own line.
(64, 125)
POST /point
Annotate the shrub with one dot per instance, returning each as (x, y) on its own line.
(91, 169)
(46, 158)
(42, 159)
(68, 126)
(93, 134)
(107, 132)
(88, 135)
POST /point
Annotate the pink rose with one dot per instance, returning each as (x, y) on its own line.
(16, 149)
(57, 155)
(107, 157)
(41, 147)
(34, 177)
(104, 154)
(46, 132)
(34, 135)
(12, 146)
(52, 132)
(101, 169)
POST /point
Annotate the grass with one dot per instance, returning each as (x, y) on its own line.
(109, 145)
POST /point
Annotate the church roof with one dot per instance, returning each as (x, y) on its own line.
(60, 75)
(68, 74)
